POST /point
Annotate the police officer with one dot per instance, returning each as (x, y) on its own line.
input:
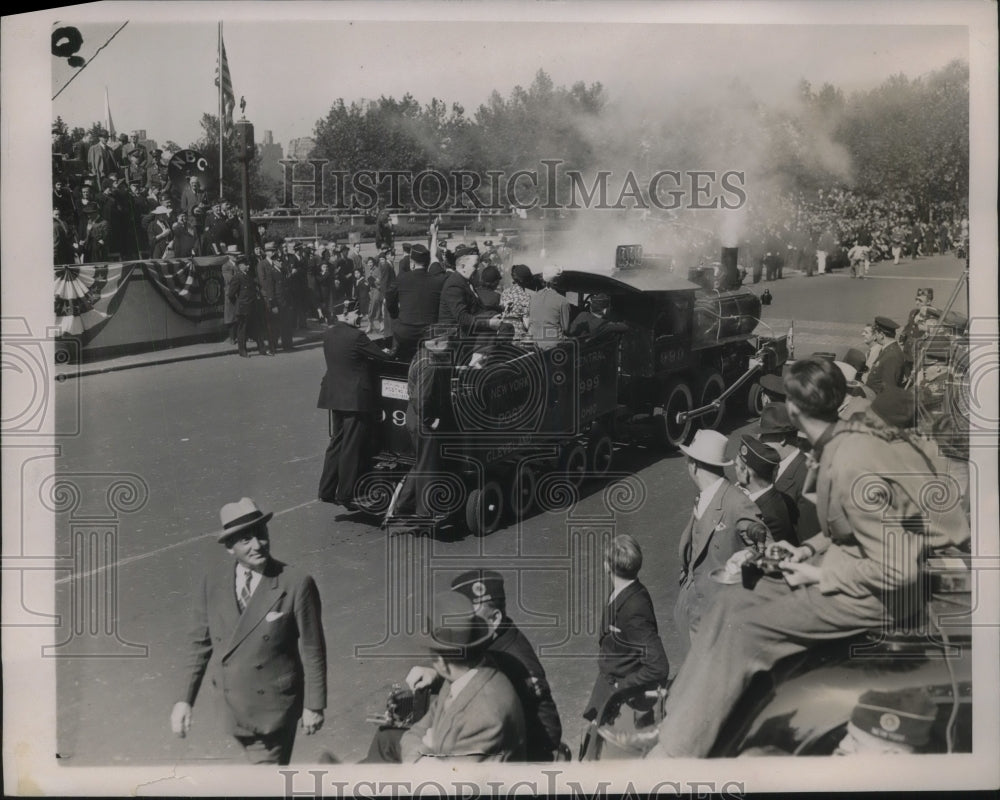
(242, 295)
(888, 367)
(777, 431)
(756, 466)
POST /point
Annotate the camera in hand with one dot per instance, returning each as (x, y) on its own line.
(765, 562)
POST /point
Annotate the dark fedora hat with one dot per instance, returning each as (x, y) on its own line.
(455, 630)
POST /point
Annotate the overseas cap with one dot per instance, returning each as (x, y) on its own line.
(904, 716)
(759, 457)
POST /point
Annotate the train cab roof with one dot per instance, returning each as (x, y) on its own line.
(626, 281)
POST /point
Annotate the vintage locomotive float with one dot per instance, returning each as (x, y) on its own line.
(512, 415)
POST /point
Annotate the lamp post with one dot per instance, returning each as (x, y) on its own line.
(246, 150)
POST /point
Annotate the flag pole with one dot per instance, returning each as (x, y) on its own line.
(219, 68)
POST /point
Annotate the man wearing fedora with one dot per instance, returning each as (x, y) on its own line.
(510, 651)
(777, 431)
(262, 618)
(723, 521)
(241, 297)
(756, 465)
(861, 572)
(477, 715)
(413, 302)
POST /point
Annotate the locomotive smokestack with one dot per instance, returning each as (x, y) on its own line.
(730, 274)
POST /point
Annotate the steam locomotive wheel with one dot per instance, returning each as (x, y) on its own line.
(600, 452)
(677, 398)
(573, 463)
(712, 387)
(484, 509)
(523, 489)
(756, 400)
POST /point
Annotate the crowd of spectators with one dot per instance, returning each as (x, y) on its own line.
(123, 207)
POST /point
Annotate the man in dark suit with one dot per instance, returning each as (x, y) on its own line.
(423, 418)
(242, 295)
(509, 651)
(263, 618)
(413, 302)
(273, 283)
(101, 160)
(888, 367)
(593, 322)
(777, 431)
(723, 521)
(756, 464)
(348, 392)
(460, 307)
(631, 653)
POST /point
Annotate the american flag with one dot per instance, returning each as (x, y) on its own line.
(228, 100)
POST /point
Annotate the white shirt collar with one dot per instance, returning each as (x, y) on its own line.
(783, 464)
(460, 683)
(705, 498)
(241, 576)
(754, 495)
(619, 590)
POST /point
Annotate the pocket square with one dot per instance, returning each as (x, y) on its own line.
(721, 526)
(273, 615)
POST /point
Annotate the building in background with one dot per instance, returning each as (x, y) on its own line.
(301, 148)
(270, 155)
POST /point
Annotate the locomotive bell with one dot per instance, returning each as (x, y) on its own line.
(246, 149)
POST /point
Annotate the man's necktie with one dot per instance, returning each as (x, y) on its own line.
(245, 591)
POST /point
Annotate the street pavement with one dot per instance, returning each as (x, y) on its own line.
(200, 433)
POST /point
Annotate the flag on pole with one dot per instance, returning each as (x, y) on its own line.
(226, 87)
(108, 122)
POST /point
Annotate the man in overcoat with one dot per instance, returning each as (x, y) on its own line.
(348, 391)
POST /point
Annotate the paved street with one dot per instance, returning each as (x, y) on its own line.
(202, 433)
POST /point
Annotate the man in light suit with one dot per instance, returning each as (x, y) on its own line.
(863, 569)
(348, 391)
(263, 619)
(724, 521)
(477, 715)
(631, 652)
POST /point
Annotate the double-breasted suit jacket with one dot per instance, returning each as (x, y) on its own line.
(273, 655)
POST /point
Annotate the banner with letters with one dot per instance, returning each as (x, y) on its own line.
(87, 296)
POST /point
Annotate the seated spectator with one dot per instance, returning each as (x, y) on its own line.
(489, 279)
(515, 300)
(548, 311)
(592, 322)
(477, 715)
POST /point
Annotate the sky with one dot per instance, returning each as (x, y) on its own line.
(159, 72)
